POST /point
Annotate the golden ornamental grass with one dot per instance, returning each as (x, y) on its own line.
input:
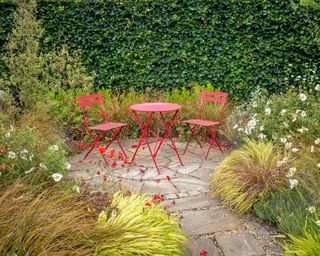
(249, 173)
(49, 222)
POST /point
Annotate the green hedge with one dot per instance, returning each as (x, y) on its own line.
(162, 44)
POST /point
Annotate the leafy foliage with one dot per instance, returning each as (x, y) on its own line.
(23, 60)
(237, 45)
(289, 210)
(248, 174)
(290, 119)
(24, 154)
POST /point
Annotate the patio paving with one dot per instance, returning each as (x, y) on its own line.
(211, 227)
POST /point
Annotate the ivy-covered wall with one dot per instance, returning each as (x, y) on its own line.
(235, 45)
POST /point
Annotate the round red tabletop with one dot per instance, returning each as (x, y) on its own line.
(155, 107)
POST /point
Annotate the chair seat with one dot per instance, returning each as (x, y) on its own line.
(107, 126)
(201, 122)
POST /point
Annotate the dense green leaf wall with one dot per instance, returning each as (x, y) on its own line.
(236, 45)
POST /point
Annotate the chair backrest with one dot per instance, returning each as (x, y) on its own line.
(217, 97)
(90, 100)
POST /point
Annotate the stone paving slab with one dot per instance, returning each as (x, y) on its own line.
(203, 244)
(191, 203)
(209, 221)
(186, 184)
(240, 245)
(161, 187)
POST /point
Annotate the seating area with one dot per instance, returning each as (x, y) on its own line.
(159, 128)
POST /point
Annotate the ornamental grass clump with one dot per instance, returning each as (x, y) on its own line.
(248, 174)
(307, 245)
(47, 222)
(141, 228)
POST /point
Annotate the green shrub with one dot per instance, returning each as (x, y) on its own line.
(23, 60)
(249, 174)
(290, 119)
(23, 155)
(142, 228)
(289, 210)
(306, 245)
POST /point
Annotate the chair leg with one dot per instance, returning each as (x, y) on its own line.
(192, 130)
(114, 137)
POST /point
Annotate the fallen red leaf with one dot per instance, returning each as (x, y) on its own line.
(102, 150)
(168, 178)
(142, 170)
(148, 204)
(98, 172)
(114, 164)
(203, 253)
(112, 153)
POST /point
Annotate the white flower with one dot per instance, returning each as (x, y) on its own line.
(317, 141)
(254, 104)
(311, 209)
(261, 128)
(285, 159)
(235, 127)
(285, 124)
(23, 153)
(288, 145)
(76, 188)
(262, 136)
(303, 129)
(42, 165)
(8, 135)
(252, 124)
(31, 157)
(240, 129)
(317, 88)
(283, 140)
(54, 148)
(302, 97)
(68, 166)
(318, 165)
(247, 130)
(293, 183)
(292, 171)
(30, 170)
(283, 111)
(267, 111)
(298, 111)
(11, 154)
(312, 149)
(57, 176)
(318, 223)
(303, 113)
(294, 150)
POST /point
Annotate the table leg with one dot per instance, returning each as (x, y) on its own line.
(143, 137)
(167, 132)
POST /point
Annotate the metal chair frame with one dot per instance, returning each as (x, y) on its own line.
(211, 127)
(97, 99)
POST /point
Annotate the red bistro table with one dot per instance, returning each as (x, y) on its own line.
(152, 108)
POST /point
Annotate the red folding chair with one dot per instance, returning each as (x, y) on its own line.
(211, 127)
(115, 128)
